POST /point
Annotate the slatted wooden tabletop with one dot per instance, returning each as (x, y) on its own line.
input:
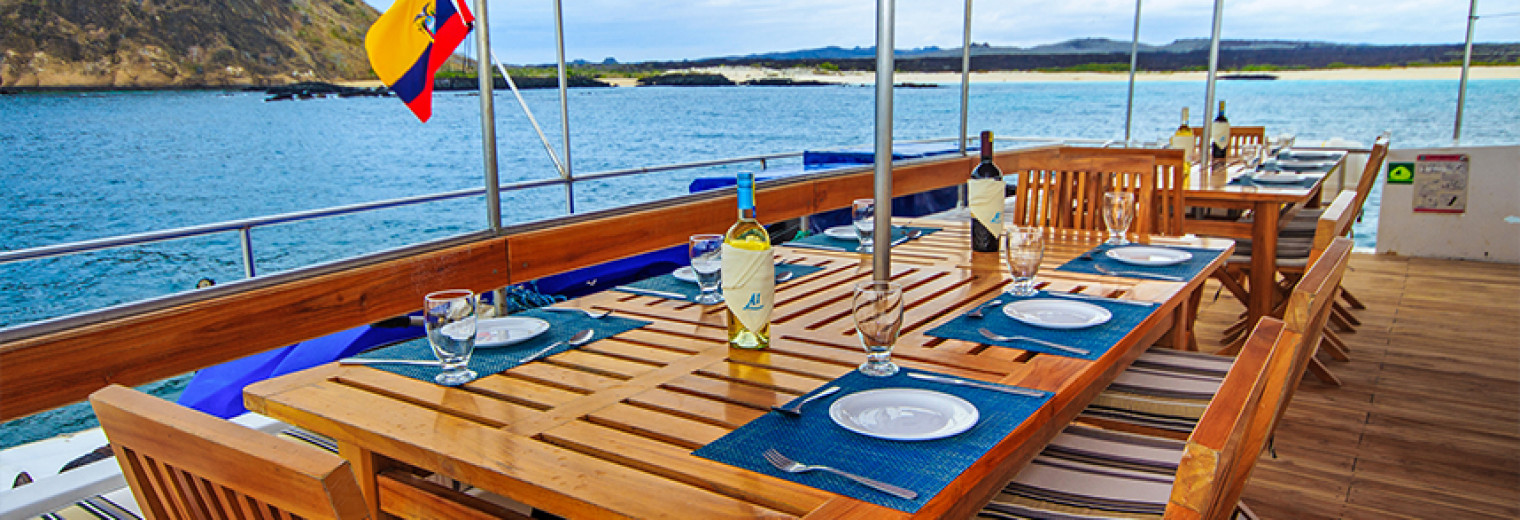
(607, 430)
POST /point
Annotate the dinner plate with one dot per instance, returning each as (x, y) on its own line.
(1304, 165)
(685, 274)
(1277, 178)
(500, 332)
(1057, 314)
(1308, 155)
(1146, 255)
(903, 414)
(842, 233)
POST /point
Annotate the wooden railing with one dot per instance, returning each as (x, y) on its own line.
(48, 365)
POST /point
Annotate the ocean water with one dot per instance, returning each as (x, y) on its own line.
(79, 166)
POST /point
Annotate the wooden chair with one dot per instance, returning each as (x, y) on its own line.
(1165, 392)
(1169, 211)
(1067, 192)
(1089, 472)
(182, 463)
(1240, 136)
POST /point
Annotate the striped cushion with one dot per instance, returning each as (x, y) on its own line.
(116, 505)
(1164, 389)
(1301, 225)
(1092, 473)
(1287, 247)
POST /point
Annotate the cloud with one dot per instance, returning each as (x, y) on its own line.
(523, 32)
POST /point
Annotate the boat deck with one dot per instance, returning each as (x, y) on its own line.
(1427, 424)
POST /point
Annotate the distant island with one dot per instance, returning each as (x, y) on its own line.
(130, 44)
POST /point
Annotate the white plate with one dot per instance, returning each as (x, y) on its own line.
(685, 274)
(1057, 314)
(1278, 178)
(500, 332)
(1144, 255)
(842, 233)
(1304, 165)
(903, 414)
(1308, 155)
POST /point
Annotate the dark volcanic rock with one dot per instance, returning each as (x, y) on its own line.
(785, 82)
(686, 80)
(525, 83)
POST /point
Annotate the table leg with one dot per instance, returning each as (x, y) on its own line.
(1263, 262)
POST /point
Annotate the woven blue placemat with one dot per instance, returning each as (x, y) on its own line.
(1096, 339)
(1090, 261)
(925, 467)
(1245, 180)
(487, 361)
(668, 286)
(825, 242)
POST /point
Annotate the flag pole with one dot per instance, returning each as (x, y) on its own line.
(882, 252)
(487, 117)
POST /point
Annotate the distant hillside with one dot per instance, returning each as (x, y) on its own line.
(181, 43)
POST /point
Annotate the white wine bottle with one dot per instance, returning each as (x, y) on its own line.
(984, 194)
(1184, 139)
(749, 274)
(1220, 135)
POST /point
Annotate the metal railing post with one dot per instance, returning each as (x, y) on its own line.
(245, 236)
(1472, 20)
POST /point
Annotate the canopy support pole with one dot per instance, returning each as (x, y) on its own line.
(960, 193)
(564, 106)
(1472, 19)
(488, 131)
(1134, 55)
(882, 252)
(1208, 103)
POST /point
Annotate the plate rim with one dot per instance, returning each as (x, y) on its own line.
(850, 227)
(1105, 314)
(1297, 177)
(537, 321)
(976, 414)
(1186, 255)
(689, 278)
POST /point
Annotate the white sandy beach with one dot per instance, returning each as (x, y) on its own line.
(739, 74)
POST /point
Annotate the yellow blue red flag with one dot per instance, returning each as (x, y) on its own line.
(408, 44)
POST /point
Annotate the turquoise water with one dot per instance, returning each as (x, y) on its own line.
(82, 166)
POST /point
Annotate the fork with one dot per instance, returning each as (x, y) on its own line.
(977, 312)
(788, 465)
(589, 313)
(795, 410)
(999, 337)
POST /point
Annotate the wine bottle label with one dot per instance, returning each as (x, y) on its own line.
(986, 203)
(1221, 133)
(1186, 143)
(749, 284)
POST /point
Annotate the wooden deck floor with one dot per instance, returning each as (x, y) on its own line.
(1427, 424)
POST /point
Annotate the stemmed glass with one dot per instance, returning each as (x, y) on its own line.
(449, 317)
(706, 253)
(1024, 248)
(877, 309)
(863, 216)
(1118, 212)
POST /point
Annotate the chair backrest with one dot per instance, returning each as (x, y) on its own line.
(1067, 192)
(1240, 136)
(182, 463)
(1169, 211)
(1310, 302)
(1370, 173)
(1334, 222)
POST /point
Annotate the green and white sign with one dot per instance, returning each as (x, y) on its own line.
(1400, 173)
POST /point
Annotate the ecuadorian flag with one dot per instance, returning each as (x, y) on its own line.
(408, 44)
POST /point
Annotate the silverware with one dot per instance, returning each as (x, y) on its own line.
(580, 338)
(977, 312)
(589, 313)
(999, 337)
(910, 236)
(805, 245)
(785, 276)
(652, 292)
(1080, 296)
(788, 465)
(1141, 274)
(795, 409)
(364, 361)
(975, 384)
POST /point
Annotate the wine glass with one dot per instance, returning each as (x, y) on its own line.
(449, 317)
(877, 309)
(1024, 248)
(1118, 212)
(706, 253)
(863, 216)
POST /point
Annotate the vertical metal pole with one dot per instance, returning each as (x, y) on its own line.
(881, 263)
(1208, 103)
(1472, 19)
(564, 105)
(245, 235)
(965, 77)
(487, 117)
(1134, 55)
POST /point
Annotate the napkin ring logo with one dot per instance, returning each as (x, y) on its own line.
(997, 217)
(754, 303)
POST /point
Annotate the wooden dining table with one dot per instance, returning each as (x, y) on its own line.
(607, 430)
(1209, 186)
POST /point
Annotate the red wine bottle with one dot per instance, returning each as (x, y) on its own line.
(984, 193)
(1220, 135)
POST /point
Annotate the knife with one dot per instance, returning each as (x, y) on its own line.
(652, 292)
(813, 246)
(1081, 296)
(976, 384)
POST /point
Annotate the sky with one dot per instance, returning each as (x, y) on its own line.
(522, 31)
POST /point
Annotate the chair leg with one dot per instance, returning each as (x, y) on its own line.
(1334, 346)
(1229, 279)
(1351, 299)
(1322, 372)
(1345, 314)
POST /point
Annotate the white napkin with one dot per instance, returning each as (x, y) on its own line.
(987, 203)
(749, 285)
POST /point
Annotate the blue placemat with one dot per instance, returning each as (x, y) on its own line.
(925, 467)
(825, 242)
(1090, 261)
(487, 361)
(1308, 181)
(668, 286)
(1096, 339)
